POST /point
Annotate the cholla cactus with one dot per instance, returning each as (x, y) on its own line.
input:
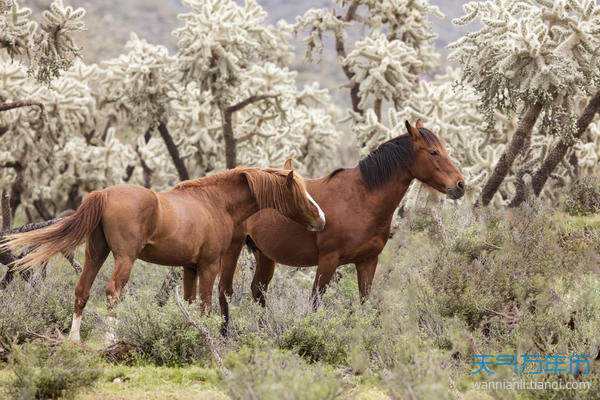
(238, 67)
(50, 158)
(140, 83)
(451, 111)
(99, 123)
(536, 55)
(383, 69)
(48, 46)
(387, 63)
(233, 37)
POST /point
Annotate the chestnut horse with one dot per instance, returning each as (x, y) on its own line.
(190, 226)
(359, 203)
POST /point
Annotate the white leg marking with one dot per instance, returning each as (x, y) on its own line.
(111, 336)
(75, 327)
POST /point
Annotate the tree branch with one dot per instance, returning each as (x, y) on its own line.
(19, 104)
(6, 211)
(252, 99)
(377, 108)
(41, 209)
(204, 332)
(518, 144)
(556, 155)
(173, 152)
(340, 48)
(228, 135)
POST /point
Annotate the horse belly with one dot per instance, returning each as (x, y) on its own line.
(282, 240)
(171, 253)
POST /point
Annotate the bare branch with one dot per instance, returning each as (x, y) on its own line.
(252, 99)
(173, 152)
(11, 164)
(377, 108)
(210, 343)
(228, 135)
(340, 48)
(518, 145)
(19, 104)
(6, 211)
(559, 151)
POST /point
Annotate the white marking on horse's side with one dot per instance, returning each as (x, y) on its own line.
(75, 327)
(321, 213)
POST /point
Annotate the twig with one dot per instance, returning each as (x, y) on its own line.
(252, 99)
(203, 331)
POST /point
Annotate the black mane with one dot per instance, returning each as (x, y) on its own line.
(398, 153)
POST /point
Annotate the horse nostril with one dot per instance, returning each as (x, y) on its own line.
(461, 185)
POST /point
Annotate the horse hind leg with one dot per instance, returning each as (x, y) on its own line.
(114, 289)
(96, 252)
(118, 280)
(365, 271)
(265, 267)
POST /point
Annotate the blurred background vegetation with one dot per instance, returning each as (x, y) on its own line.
(154, 20)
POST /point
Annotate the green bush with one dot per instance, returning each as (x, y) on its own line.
(41, 372)
(320, 336)
(275, 375)
(161, 335)
(42, 306)
(583, 197)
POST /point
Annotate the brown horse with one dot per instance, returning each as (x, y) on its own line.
(190, 226)
(359, 203)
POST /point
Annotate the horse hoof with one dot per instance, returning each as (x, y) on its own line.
(224, 330)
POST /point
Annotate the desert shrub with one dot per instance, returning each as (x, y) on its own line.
(583, 197)
(287, 301)
(162, 335)
(490, 282)
(41, 306)
(327, 335)
(277, 374)
(42, 372)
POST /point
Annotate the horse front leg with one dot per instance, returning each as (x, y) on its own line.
(190, 287)
(228, 265)
(327, 265)
(365, 271)
(207, 274)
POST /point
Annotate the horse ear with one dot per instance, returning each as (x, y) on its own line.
(412, 131)
(288, 164)
(290, 178)
(419, 124)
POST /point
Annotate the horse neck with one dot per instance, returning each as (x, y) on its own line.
(387, 197)
(235, 196)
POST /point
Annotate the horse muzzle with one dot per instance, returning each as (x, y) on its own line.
(457, 191)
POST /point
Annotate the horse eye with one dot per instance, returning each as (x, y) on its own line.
(433, 152)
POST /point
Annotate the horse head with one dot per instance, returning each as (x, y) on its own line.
(432, 164)
(286, 192)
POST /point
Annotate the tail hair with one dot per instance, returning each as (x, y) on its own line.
(38, 246)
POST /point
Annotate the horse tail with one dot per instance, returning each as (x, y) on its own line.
(250, 244)
(61, 237)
